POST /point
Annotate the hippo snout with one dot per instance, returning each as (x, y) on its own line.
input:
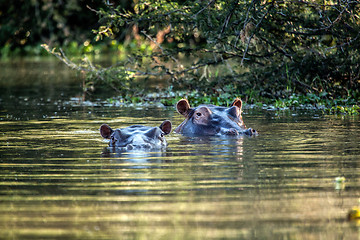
(250, 132)
(231, 131)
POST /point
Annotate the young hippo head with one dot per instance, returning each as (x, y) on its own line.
(212, 120)
(137, 136)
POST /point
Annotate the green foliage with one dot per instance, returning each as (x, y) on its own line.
(286, 53)
(278, 47)
(332, 106)
(348, 110)
(26, 24)
(295, 101)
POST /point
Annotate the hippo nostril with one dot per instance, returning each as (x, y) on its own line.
(249, 131)
(232, 131)
(147, 145)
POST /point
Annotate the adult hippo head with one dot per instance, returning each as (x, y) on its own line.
(137, 136)
(211, 120)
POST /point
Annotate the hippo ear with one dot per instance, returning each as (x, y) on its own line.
(166, 127)
(151, 132)
(106, 131)
(234, 111)
(183, 107)
(237, 102)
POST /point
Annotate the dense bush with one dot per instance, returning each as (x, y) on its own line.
(267, 48)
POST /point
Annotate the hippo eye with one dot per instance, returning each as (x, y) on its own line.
(198, 113)
(161, 137)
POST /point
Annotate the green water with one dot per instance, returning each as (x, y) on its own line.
(59, 181)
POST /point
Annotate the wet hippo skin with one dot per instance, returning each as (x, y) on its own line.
(137, 136)
(209, 120)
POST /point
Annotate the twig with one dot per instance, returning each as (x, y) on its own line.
(228, 17)
(253, 33)
(211, 2)
(161, 49)
(245, 22)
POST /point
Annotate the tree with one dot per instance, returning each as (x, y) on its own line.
(271, 48)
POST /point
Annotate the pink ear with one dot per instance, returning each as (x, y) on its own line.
(183, 107)
(106, 131)
(237, 102)
(166, 127)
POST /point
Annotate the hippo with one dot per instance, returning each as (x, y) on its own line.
(137, 136)
(211, 120)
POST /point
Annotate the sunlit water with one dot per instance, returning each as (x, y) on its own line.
(58, 180)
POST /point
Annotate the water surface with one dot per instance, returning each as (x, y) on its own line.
(59, 180)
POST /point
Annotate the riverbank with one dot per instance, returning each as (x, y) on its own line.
(305, 102)
(39, 71)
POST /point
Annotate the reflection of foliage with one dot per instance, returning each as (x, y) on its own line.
(269, 48)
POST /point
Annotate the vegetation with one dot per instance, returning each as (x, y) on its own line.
(289, 53)
(24, 25)
(270, 48)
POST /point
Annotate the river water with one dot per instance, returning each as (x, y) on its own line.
(58, 180)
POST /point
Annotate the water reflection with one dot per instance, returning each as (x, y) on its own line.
(136, 156)
(230, 145)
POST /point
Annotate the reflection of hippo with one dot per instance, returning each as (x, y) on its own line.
(212, 120)
(137, 136)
